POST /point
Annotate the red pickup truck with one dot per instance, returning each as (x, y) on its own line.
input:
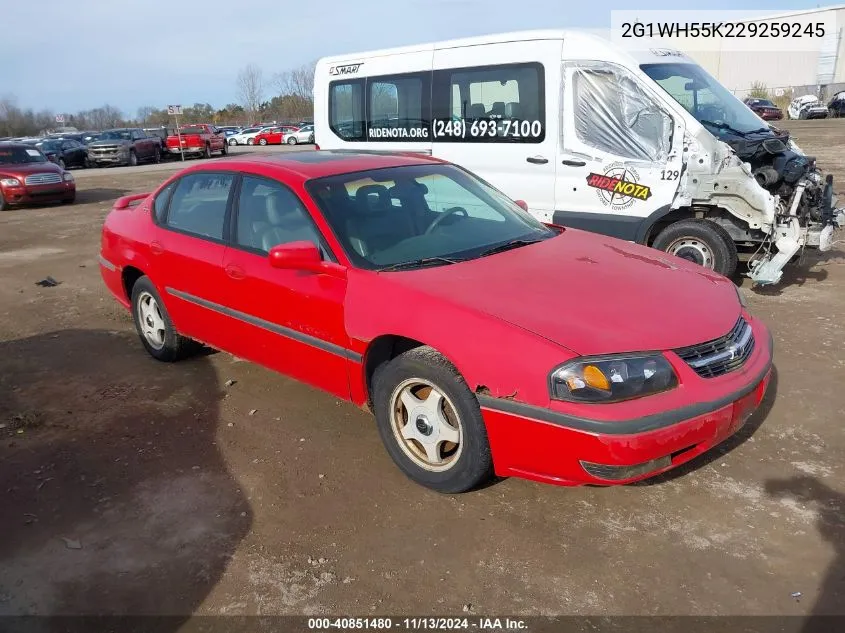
(198, 140)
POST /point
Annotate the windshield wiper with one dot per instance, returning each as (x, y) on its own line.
(418, 263)
(724, 126)
(501, 248)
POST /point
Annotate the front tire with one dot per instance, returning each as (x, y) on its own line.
(430, 422)
(263, 141)
(292, 140)
(153, 324)
(233, 141)
(702, 242)
(250, 141)
(207, 152)
(133, 159)
(224, 151)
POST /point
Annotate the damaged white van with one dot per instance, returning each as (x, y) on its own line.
(641, 145)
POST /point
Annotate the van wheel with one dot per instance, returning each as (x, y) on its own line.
(153, 324)
(702, 242)
(430, 422)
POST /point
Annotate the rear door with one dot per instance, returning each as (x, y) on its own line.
(491, 115)
(289, 320)
(188, 252)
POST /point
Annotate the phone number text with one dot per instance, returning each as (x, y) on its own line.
(492, 128)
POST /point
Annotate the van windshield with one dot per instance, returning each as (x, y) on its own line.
(713, 105)
(414, 216)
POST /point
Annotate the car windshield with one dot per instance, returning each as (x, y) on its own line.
(713, 105)
(407, 215)
(762, 102)
(115, 135)
(50, 146)
(20, 155)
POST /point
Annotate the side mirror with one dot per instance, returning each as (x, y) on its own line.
(303, 256)
(522, 204)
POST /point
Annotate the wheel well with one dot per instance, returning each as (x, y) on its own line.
(381, 350)
(130, 275)
(670, 218)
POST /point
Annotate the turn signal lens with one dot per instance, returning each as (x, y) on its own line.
(612, 378)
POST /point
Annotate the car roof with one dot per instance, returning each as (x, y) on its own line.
(310, 164)
(15, 144)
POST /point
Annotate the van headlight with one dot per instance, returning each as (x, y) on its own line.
(612, 378)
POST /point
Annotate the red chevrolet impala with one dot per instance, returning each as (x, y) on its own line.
(482, 340)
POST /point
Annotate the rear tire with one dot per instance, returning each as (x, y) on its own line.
(263, 141)
(224, 151)
(233, 141)
(702, 242)
(419, 399)
(207, 152)
(292, 140)
(250, 141)
(153, 324)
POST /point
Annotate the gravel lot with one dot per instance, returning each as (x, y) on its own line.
(130, 486)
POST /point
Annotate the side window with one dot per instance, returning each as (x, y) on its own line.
(399, 108)
(613, 114)
(160, 203)
(270, 214)
(490, 104)
(199, 202)
(68, 145)
(346, 109)
(444, 194)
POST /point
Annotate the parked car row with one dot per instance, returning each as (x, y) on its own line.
(274, 135)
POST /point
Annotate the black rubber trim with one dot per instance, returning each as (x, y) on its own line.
(622, 427)
(313, 341)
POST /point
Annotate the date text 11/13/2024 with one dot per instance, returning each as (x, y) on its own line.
(418, 623)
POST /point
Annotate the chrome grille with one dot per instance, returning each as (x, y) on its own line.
(721, 355)
(43, 179)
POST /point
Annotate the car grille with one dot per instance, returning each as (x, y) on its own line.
(721, 355)
(103, 150)
(42, 179)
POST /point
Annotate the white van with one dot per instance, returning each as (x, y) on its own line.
(641, 145)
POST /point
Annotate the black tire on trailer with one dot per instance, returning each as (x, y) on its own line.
(430, 422)
(702, 242)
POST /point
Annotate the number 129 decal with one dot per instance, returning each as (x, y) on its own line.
(670, 174)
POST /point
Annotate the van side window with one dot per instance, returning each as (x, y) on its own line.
(490, 104)
(399, 108)
(613, 114)
(346, 109)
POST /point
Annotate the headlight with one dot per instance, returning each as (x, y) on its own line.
(10, 182)
(68, 176)
(611, 378)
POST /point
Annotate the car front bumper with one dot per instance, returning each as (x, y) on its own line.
(552, 447)
(35, 194)
(115, 158)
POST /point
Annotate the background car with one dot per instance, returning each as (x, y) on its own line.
(836, 105)
(245, 136)
(65, 152)
(807, 107)
(765, 109)
(27, 177)
(305, 134)
(273, 135)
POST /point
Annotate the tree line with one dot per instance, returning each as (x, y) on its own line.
(285, 96)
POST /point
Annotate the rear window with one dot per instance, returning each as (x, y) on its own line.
(20, 155)
(199, 203)
(193, 129)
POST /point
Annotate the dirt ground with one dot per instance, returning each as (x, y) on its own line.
(131, 486)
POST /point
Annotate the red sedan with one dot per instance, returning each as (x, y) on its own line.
(27, 177)
(274, 136)
(765, 109)
(482, 340)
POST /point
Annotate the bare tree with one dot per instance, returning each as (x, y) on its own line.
(251, 88)
(145, 113)
(298, 82)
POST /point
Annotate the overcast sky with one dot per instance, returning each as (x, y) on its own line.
(68, 55)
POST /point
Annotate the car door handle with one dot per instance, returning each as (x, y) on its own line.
(235, 272)
(537, 160)
(569, 162)
(156, 248)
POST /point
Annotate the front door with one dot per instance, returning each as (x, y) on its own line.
(289, 320)
(491, 115)
(620, 152)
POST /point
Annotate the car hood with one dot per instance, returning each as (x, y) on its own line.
(29, 168)
(590, 294)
